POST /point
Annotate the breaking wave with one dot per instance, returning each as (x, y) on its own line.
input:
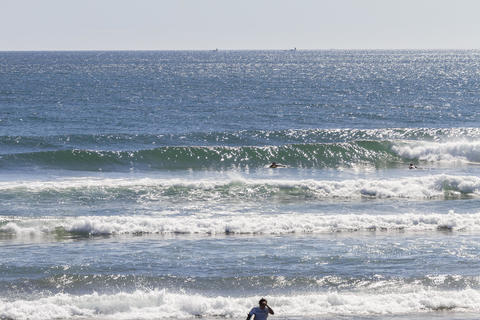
(231, 224)
(440, 186)
(313, 148)
(155, 304)
(214, 157)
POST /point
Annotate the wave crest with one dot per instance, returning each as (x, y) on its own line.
(149, 189)
(163, 304)
(204, 224)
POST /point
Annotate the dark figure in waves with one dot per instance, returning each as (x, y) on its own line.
(261, 312)
(412, 166)
(276, 165)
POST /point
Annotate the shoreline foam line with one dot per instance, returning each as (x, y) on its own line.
(163, 304)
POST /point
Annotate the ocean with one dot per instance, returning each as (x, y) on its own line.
(136, 185)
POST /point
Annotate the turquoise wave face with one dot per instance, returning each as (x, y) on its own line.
(312, 148)
(320, 148)
(373, 153)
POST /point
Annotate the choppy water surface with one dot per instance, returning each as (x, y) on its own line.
(135, 185)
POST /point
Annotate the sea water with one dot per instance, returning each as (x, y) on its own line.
(135, 185)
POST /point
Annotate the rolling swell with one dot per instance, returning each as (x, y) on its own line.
(306, 148)
(372, 153)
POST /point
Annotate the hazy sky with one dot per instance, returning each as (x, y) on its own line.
(241, 24)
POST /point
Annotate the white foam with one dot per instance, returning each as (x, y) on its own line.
(161, 304)
(225, 223)
(460, 151)
(417, 187)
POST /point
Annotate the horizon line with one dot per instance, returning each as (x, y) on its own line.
(226, 50)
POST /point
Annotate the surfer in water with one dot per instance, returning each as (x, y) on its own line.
(412, 166)
(261, 312)
(276, 165)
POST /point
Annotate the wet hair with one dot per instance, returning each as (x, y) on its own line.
(262, 300)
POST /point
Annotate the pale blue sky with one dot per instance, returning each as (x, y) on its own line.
(242, 24)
